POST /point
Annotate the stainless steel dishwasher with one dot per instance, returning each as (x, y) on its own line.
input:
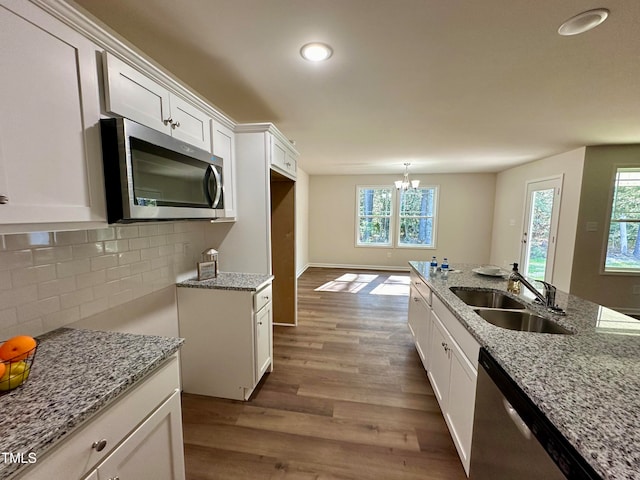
(512, 439)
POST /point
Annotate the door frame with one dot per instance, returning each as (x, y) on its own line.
(555, 222)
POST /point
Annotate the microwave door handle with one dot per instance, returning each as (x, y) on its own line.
(214, 197)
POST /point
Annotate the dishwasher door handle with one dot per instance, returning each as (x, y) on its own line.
(519, 423)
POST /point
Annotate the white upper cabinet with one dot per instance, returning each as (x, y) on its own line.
(134, 95)
(224, 146)
(282, 159)
(50, 155)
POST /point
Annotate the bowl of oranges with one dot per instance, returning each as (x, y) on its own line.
(16, 359)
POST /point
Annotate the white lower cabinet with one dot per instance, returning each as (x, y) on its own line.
(449, 353)
(228, 340)
(152, 451)
(419, 322)
(138, 437)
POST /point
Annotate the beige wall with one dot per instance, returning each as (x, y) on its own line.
(465, 214)
(509, 211)
(52, 279)
(302, 221)
(587, 281)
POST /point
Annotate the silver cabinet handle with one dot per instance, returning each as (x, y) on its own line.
(4, 199)
(175, 124)
(168, 121)
(99, 445)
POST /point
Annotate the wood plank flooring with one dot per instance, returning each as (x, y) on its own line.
(348, 398)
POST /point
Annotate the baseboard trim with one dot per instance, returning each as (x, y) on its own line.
(361, 267)
(300, 272)
(286, 324)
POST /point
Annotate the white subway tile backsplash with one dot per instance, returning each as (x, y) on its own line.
(87, 250)
(37, 309)
(56, 287)
(91, 278)
(50, 279)
(70, 238)
(138, 243)
(116, 246)
(101, 234)
(32, 275)
(28, 240)
(104, 262)
(77, 297)
(73, 267)
(5, 279)
(128, 231)
(8, 318)
(15, 259)
(42, 256)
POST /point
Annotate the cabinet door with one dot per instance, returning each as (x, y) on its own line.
(224, 146)
(418, 322)
(440, 363)
(92, 476)
(264, 320)
(133, 95)
(190, 124)
(50, 155)
(153, 451)
(462, 397)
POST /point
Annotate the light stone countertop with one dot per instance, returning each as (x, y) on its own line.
(587, 384)
(75, 374)
(231, 281)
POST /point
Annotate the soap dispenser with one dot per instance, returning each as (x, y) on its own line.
(513, 284)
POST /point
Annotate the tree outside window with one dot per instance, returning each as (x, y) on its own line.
(375, 207)
(417, 215)
(623, 245)
(377, 217)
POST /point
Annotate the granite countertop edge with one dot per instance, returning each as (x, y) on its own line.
(587, 384)
(250, 282)
(52, 414)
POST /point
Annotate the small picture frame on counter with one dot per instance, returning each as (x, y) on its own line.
(207, 270)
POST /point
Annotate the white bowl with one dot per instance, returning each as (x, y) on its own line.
(490, 270)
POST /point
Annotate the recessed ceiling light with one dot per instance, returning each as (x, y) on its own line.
(316, 52)
(583, 22)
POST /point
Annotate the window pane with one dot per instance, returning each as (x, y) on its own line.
(626, 198)
(374, 231)
(623, 248)
(417, 202)
(374, 201)
(416, 231)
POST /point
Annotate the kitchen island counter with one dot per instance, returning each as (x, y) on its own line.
(251, 282)
(587, 384)
(75, 375)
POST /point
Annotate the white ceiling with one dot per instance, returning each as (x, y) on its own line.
(448, 85)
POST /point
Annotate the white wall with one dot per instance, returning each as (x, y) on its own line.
(465, 214)
(508, 216)
(302, 221)
(52, 279)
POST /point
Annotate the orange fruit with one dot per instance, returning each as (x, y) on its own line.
(17, 348)
(3, 367)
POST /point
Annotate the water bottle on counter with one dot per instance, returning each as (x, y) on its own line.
(444, 268)
(433, 267)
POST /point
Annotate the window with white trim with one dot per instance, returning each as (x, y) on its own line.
(374, 216)
(623, 243)
(412, 224)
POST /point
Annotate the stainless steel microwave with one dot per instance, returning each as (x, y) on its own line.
(152, 176)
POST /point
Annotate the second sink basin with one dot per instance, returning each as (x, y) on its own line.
(524, 321)
(487, 298)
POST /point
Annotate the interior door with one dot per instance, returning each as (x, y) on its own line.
(539, 236)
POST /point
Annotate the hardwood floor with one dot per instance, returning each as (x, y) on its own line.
(348, 397)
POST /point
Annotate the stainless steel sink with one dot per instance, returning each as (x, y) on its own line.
(524, 321)
(487, 298)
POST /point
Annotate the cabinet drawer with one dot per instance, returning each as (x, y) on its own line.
(262, 297)
(469, 346)
(75, 456)
(421, 286)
